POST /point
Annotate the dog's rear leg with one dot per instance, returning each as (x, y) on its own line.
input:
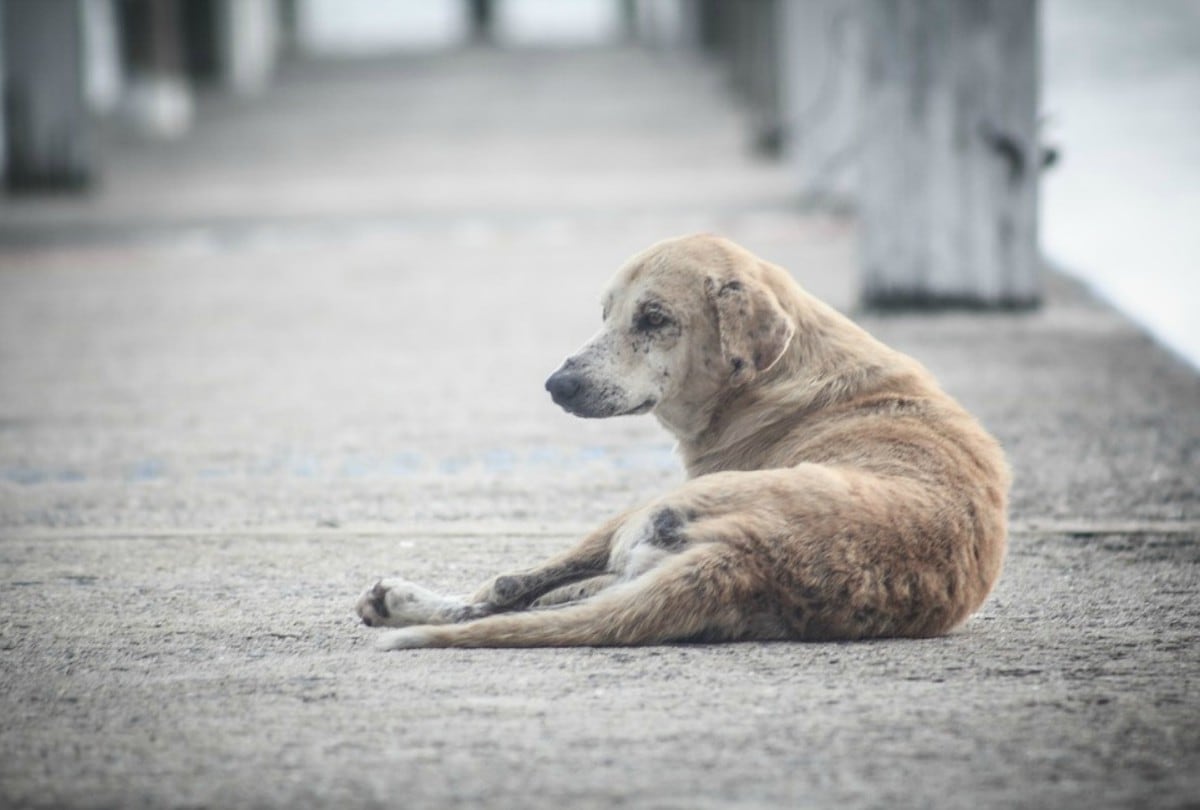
(587, 559)
(576, 591)
(697, 594)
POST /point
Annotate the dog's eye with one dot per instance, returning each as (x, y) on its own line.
(651, 319)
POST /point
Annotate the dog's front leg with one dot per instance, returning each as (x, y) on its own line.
(588, 559)
(399, 603)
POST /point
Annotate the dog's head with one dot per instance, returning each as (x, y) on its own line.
(683, 321)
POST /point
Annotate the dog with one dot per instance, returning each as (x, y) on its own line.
(833, 490)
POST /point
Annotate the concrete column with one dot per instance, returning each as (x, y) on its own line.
(249, 44)
(48, 135)
(159, 98)
(951, 161)
(713, 26)
(821, 77)
(664, 24)
(755, 67)
(289, 27)
(102, 56)
(3, 117)
(481, 15)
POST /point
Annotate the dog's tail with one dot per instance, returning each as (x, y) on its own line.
(694, 595)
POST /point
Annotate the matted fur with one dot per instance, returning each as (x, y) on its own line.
(834, 491)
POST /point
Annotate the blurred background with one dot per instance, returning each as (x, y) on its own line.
(346, 240)
(1113, 91)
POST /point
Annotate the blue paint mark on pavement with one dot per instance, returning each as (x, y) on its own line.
(29, 476)
(150, 469)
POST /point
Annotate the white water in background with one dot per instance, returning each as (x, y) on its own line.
(1122, 209)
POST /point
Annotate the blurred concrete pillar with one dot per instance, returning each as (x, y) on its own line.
(629, 20)
(714, 24)
(159, 98)
(249, 44)
(289, 27)
(754, 64)
(3, 117)
(951, 160)
(481, 15)
(233, 43)
(665, 24)
(103, 75)
(48, 136)
(821, 84)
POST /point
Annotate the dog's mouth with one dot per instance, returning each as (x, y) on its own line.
(645, 407)
(601, 410)
(589, 411)
(580, 396)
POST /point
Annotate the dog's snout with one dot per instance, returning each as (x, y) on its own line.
(564, 386)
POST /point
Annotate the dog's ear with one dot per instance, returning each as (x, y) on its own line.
(754, 329)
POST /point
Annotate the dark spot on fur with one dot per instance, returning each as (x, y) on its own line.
(506, 589)
(666, 529)
(379, 600)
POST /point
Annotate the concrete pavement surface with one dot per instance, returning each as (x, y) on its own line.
(303, 348)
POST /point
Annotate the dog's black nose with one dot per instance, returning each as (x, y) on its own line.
(564, 386)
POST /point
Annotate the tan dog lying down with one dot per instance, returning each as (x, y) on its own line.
(834, 491)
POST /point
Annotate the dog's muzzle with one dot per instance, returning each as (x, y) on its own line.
(575, 393)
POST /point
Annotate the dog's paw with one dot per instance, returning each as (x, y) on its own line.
(409, 638)
(400, 603)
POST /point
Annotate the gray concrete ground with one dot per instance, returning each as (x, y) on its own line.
(305, 347)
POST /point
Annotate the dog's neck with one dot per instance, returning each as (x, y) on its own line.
(829, 362)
